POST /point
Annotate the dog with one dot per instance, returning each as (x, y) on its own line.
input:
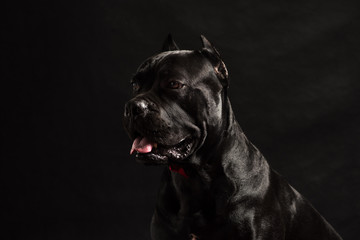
(216, 184)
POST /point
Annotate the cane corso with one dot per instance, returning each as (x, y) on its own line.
(216, 184)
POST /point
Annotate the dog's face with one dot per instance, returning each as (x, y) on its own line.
(176, 99)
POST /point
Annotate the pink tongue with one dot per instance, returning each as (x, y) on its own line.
(141, 145)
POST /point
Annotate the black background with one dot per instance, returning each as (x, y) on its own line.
(65, 168)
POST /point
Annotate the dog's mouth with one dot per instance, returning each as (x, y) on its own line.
(152, 153)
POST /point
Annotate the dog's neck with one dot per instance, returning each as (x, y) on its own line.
(233, 170)
(232, 157)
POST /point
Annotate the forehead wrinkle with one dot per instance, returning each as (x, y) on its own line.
(166, 58)
(152, 63)
(173, 66)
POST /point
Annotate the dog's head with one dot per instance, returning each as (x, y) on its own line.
(178, 98)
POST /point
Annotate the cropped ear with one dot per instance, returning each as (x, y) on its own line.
(169, 44)
(214, 56)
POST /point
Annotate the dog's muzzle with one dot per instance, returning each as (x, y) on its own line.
(154, 138)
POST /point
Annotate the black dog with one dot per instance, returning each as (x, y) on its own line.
(217, 184)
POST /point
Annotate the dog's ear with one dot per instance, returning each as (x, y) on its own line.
(214, 56)
(169, 44)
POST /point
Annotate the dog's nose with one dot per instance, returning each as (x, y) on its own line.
(136, 107)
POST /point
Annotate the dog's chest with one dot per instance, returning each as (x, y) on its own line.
(192, 195)
(200, 206)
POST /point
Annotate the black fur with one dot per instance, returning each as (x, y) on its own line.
(230, 192)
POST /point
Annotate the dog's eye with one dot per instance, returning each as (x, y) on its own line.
(175, 85)
(135, 86)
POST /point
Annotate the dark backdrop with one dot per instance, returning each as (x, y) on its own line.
(65, 168)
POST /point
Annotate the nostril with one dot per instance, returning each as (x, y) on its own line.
(126, 110)
(136, 110)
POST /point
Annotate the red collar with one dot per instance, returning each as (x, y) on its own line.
(176, 168)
